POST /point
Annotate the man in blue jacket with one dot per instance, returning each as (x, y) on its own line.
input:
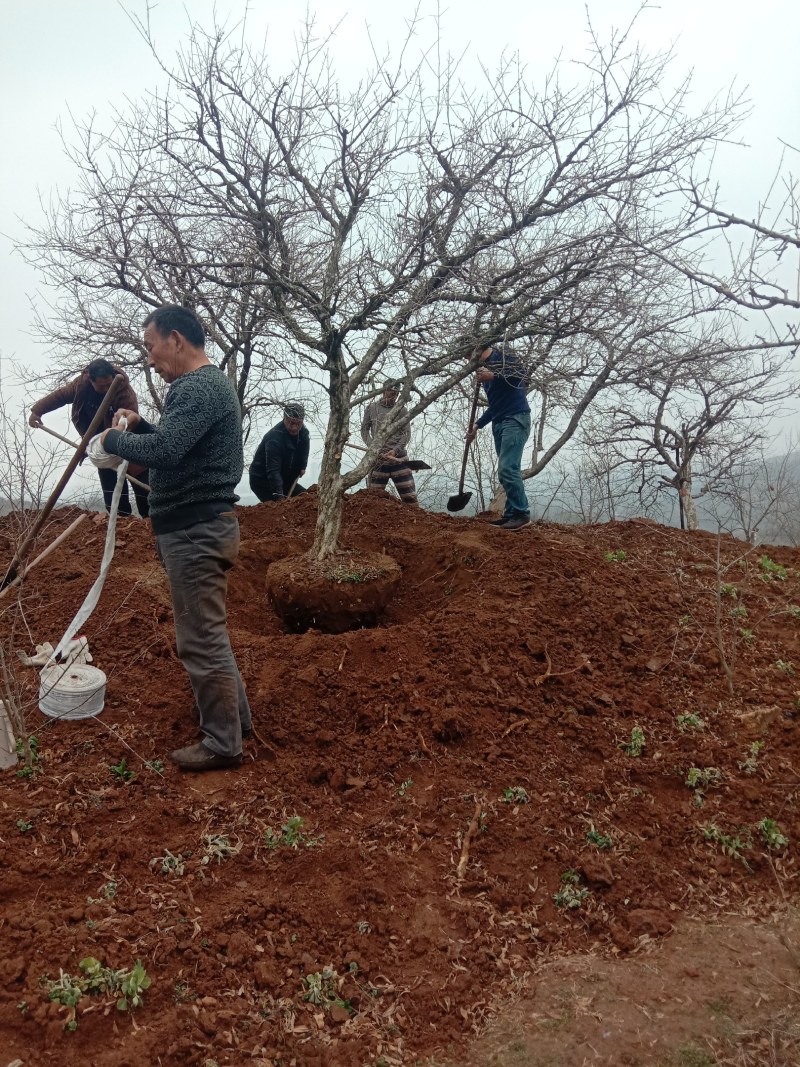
(504, 380)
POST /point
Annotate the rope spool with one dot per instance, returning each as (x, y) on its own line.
(77, 691)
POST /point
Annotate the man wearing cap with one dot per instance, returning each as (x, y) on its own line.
(282, 457)
(393, 461)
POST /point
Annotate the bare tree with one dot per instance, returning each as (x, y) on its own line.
(390, 228)
(698, 418)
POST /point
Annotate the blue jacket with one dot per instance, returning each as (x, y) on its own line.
(506, 391)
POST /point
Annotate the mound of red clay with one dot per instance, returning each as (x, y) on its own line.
(516, 737)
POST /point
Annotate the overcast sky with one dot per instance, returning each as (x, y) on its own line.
(58, 56)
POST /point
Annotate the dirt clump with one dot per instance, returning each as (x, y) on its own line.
(307, 907)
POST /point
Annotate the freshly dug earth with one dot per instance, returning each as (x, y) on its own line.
(349, 590)
(450, 767)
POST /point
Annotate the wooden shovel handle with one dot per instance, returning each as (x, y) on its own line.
(476, 393)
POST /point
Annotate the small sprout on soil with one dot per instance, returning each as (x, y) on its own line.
(684, 620)
(747, 636)
(22, 1006)
(738, 613)
(750, 765)
(292, 835)
(170, 863)
(24, 825)
(121, 771)
(793, 611)
(772, 835)
(404, 787)
(218, 847)
(690, 722)
(594, 837)
(127, 986)
(571, 894)
(615, 557)
(363, 927)
(321, 990)
(785, 666)
(33, 747)
(109, 889)
(635, 746)
(731, 846)
(772, 570)
(156, 765)
(183, 992)
(729, 589)
(515, 794)
(702, 777)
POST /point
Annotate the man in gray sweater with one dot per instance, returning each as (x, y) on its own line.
(393, 461)
(196, 460)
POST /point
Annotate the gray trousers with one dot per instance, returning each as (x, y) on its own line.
(197, 561)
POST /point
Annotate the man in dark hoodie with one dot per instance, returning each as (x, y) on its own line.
(282, 457)
(196, 461)
(505, 382)
(85, 393)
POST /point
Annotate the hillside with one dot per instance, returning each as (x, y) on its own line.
(450, 768)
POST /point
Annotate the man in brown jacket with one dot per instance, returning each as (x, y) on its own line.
(85, 393)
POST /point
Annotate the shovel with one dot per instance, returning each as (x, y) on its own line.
(461, 499)
(412, 464)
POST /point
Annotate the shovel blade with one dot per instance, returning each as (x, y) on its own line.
(418, 465)
(459, 501)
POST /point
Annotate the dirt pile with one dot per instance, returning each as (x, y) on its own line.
(535, 752)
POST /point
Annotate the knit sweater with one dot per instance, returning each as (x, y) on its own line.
(375, 415)
(195, 453)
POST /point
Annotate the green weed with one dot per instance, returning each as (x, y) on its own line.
(404, 787)
(750, 765)
(24, 826)
(514, 794)
(218, 847)
(571, 894)
(728, 589)
(615, 557)
(730, 845)
(603, 841)
(121, 771)
(785, 666)
(126, 986)
(772, 570)
(635, 746)
(772, 835)
(169, 862)
(690, 722)
(291, 835)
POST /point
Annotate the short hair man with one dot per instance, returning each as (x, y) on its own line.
(505, 382)
(196, 461)
(393, 461)
(282, 457)
(85, 393)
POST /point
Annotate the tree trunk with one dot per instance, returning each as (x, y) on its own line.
(331, 489)
(689, 509)
(497, 504)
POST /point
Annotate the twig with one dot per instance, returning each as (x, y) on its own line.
(472, 829)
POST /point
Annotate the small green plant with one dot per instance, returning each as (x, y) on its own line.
(291, 835)
(772, 571)
(121, 771)
(733, 846)
(156, 765)
(30, 768)
(772, 835)
(747, 636)
(109, 889)
(571, 894)
(684, 620)
(514, 794)
(321, 990)
(728, 589)
(690, 722)
(785, 666)
(635, 746)
(738, 613)
(615, 557)
(794, 611)
(169, 863)
(404, 787)
(603, 841)
(24, 826)
(218, 847)
(126, 986)
(702, 777)
(750, 764)
(363, 927)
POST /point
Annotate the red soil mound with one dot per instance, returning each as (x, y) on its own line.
(449, 766)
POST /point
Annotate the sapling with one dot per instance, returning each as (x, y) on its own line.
(690, 722)
(732, 846)
(170, 863)
(728, 589)
(292, 835)
(772, 570)
(24, 826)
(615, 557)
(404, 787)
(785, 666)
